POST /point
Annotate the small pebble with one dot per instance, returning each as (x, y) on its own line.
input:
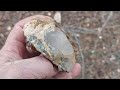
(9, 28)
(57, 17)
(100, 37)
(77, 35)
(118, 70)
(104, 48)
(104, 52)
(1, 35)
(112, 57)
(106, 77)
(88, 25)
(49, 14)
(103, 61)
(99, 30)
(92, 51)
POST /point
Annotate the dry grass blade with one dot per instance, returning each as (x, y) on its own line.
(81, 30)
(81, 54)
(102, 28)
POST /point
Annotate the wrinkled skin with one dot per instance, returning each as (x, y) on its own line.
(17, 63)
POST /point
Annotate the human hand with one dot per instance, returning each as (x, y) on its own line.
(17, 63)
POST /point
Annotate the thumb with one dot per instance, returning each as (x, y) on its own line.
(34, 68)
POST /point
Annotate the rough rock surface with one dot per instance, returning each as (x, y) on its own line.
(48, 39)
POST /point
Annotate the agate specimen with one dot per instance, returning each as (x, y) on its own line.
(48, 39)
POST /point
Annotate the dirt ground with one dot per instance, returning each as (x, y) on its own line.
(95, 36)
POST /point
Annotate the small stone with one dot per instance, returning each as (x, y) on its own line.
(9, 28)
(99, 30)
(100, 37)
(57, 17)
(87, 20)
(106, 77)
(103, 61)
(104, 52)
(88, 25)
(77, 35)
(118, 70)
(104, 48)
(49, 14)
(92, 51)
(112, 58)
(1, 35)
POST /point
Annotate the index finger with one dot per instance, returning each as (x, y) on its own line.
(17, 32)
(15, 42)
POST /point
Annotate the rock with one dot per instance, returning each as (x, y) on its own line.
(57, 17)
(44, 36)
